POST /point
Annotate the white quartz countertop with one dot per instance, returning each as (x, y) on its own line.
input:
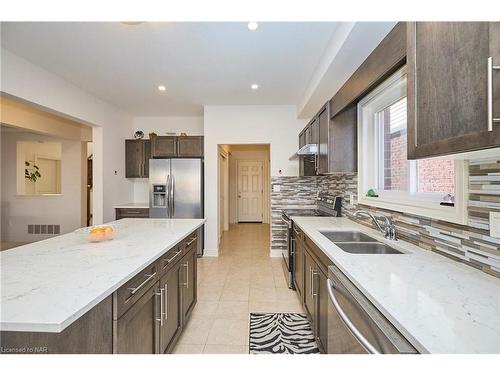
(439, 305)
(132, 205)
(47, 285)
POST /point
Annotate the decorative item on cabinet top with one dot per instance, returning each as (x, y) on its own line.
(139, 134)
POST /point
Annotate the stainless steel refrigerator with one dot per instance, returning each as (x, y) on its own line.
(176, 189)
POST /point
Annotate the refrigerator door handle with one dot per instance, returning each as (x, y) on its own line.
(172, 197)
(168, 195)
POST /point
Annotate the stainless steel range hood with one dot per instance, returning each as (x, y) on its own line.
(309, 149)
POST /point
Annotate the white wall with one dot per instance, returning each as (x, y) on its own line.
(23, 79)
(19, 211)
(192, 125)
(260, 124)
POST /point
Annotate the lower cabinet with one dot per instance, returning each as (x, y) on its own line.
(153, 322)
(188, 284)
(136, 331)
(171, 322)
(311, 274)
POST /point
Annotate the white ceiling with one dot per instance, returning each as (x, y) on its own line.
(199, 63)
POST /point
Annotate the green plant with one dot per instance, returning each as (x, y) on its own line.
(152, 135)
(31, 171)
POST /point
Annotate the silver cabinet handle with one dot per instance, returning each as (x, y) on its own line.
(172, 258)
(191, 242)
(148, 277)
(168, 195)
(491, 68)
(349, 324)
(313, 284)
(310, 280)
(165, 300)
(133, 212)
(186, 284)
(160, 319)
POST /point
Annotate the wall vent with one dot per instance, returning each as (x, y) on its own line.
(44, 229)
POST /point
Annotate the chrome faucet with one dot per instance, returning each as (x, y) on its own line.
(389, 229)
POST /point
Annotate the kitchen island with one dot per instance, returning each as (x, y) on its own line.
(132, 294)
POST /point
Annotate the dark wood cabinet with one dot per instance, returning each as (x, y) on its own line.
(323, 137)
(343, 147)
(137, 155)
(310, 282)
(190, 146)
(139, 212)
(447, 65)
(188, 281)
(309, 300)
(163, 147)
(171, 326)
(136, 331)
(299, 265)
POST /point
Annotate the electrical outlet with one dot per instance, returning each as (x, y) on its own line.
(351, 199)
(276, 188)
(495, 224)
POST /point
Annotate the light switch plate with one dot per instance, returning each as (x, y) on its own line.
(495, 224)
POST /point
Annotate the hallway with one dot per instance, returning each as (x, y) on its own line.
(241, 280)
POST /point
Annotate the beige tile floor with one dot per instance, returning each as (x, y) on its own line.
(242, 279)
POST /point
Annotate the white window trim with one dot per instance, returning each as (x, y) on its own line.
(420, 204)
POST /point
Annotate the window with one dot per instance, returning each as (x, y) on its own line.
(414, 186)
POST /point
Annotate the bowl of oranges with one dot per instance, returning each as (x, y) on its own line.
(97, 233)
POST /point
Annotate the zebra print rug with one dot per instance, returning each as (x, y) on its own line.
(281, 333)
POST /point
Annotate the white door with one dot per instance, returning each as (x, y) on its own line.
(250, 191)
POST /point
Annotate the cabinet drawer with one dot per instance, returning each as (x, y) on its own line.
(170, 258)
(129, 293)
(190, 242)
(122, 213)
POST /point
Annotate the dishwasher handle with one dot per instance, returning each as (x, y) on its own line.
(349, 324)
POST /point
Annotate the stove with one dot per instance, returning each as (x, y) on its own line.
(326, 206)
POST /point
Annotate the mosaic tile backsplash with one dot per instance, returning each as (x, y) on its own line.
(470, 244)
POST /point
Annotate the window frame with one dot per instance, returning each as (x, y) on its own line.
(389, 92)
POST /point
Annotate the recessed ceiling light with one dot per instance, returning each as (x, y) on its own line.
(254, 86)
(161, 88)
(253, 25)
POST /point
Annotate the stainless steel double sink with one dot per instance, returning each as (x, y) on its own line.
(355, 242)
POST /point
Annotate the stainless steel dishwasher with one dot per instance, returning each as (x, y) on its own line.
(355, 325)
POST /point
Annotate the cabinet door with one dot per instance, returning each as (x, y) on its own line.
(163, 147)
(136, 331)
(307, 134)
(190, 146)
(314, 131)
(448, 87)
(188, 282)
(343, 142)
(134, 158)
(299, 267)
(322, 311)
(302, 139)
(146, 156)
(309, 299)
(323, 122)
(171, 326)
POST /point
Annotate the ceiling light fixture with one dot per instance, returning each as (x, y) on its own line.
(254, 86)
(161, 88)
(252, 26)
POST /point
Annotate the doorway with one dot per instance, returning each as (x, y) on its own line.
(250, 191)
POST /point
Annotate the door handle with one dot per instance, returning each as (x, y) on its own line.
(186, 284)
(165, 300)
(349, 324)
(160, 294)
(172, 196)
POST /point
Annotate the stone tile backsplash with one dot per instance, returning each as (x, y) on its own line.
(470, 244)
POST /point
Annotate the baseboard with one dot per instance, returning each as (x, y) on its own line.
(276, 253)
(210, 252)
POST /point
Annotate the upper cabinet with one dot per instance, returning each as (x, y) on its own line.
(190, 146)
(137, 154)
(453, 89)
(323, 144)
(343, 148)
(167, 147)
(163, 147)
